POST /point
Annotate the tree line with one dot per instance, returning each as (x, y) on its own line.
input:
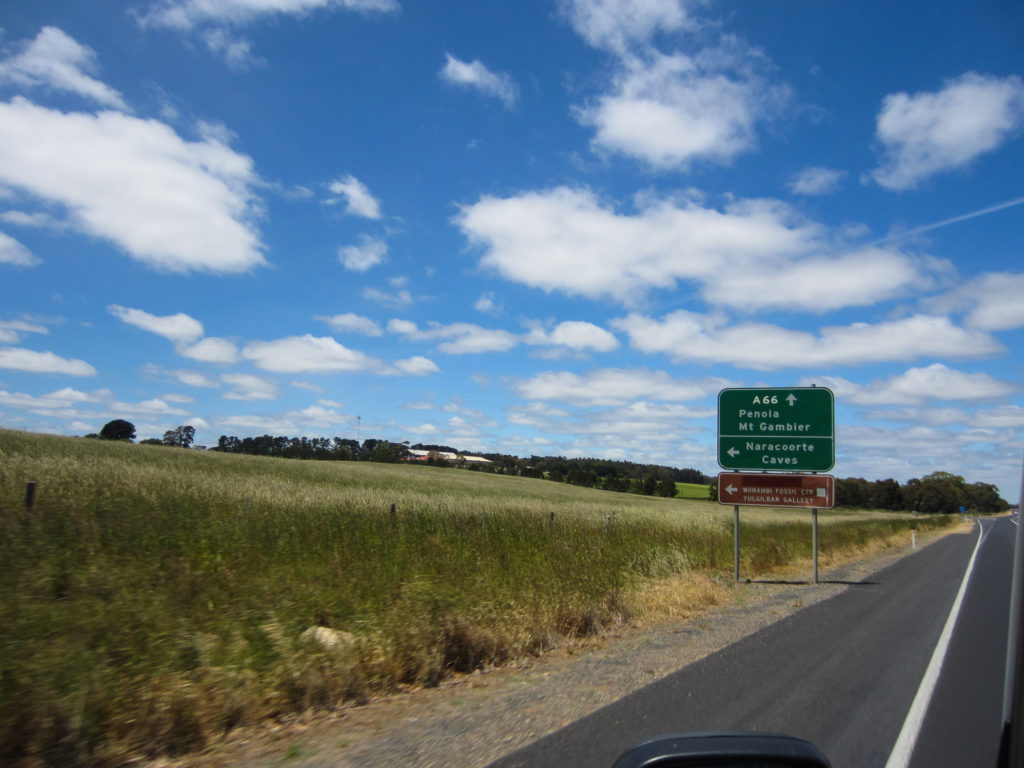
(604, 474)
(937, 493)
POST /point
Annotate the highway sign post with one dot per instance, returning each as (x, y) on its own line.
(776, 490)
(777, 429)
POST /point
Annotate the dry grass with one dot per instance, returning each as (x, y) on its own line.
(153, 599)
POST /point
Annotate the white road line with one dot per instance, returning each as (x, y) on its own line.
(904, 747)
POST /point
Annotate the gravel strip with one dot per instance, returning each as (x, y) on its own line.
(472, 720)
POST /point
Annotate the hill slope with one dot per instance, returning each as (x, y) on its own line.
(155, 597)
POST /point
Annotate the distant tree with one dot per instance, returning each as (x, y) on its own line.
(985, 498)
(382, 451)
(667, 488)
(650, 485)
(228, 444)
(939, 493)
(182, 437)
(713, 489)
(887, 494)
(151, 441)
(853, 492)
(118, 429)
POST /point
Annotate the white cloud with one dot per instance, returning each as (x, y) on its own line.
(567, 240)
(13, 252)
(248, 387)
(612, 386)
(459, 338)
(30, 361)
(487, 305)
(419, 406)
(307, 421)
(576, 335)
(618, 25)
(38, 219)
(1007, 416)
(11, 330)
(399, 299)
(55, 60)
(356, 196)
(63, 402)
(274, 425)
(320, 416)
(858, 278)
(172, 204)
(186, 14)
(236, 51)
(177, 398)
(350, 322)
(179, 328)
(478, 77)
(194, 379)
(919, 385)
(210, 350)
(369, 253)
(417, 366)
(816, 181)
(669, 110)
(993, 301)
(658, 432)
(928, 133)
(308, 354)
(154, 407)
(688, 336)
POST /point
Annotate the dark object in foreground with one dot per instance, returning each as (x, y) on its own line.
(736, 750)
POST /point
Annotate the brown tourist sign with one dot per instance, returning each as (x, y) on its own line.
(776, 490)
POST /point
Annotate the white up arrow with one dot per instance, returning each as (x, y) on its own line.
(791, 399)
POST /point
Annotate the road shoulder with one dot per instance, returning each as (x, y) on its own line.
(472, 720)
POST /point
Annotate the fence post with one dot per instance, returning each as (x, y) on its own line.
(30, 495)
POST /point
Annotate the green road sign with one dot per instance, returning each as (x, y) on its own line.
(784, 429)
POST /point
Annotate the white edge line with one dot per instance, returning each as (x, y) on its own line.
(904, 747)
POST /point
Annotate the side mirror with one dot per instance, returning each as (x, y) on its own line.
(725, 750)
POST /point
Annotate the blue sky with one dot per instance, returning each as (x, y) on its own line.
(553, 228)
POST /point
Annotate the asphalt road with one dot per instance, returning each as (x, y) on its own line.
(842, 673)
(962, 724)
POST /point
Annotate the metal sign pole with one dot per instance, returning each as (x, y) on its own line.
(814, 522)
(736, 540)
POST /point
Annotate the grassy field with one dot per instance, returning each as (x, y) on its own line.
(691, 491)
(153, 598)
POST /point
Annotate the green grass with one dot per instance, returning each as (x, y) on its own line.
(153, 598)
(692, 491)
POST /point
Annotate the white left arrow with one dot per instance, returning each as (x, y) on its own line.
(731, 489)
(733, 452)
